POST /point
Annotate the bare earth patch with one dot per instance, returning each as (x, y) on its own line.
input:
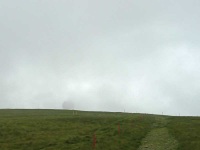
(159, 139)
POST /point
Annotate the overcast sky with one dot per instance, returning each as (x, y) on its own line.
(108, 55)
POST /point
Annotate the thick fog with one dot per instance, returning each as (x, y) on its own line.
(105, 55)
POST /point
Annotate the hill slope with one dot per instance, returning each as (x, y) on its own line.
(63, 129)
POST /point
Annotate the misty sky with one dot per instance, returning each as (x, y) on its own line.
(107, 55)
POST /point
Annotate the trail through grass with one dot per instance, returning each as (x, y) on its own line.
(60, 129)
(159, 138)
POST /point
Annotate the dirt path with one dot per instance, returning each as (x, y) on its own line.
(159, 138)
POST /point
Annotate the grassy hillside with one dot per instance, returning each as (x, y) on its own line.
(60, 129)
(187, 131)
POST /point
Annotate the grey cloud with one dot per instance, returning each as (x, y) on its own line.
(101, 55)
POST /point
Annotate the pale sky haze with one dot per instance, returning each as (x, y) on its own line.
(105, 55)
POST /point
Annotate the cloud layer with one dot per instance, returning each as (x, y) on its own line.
(141, 56)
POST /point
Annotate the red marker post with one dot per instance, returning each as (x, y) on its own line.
(94, 141)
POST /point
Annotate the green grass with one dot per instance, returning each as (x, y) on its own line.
(187, 131)
(60, 129)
